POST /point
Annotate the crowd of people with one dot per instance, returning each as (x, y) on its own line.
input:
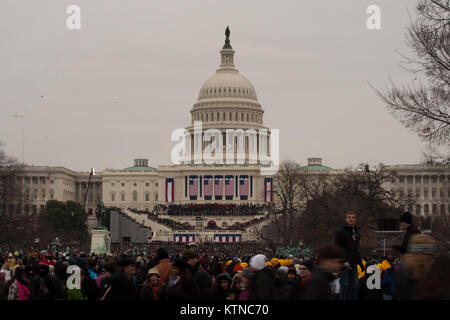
(221, 250)
(232, 272)
(213, 209)
(172, 224)
(176, 225)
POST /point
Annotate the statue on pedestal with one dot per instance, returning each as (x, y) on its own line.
(100, 213)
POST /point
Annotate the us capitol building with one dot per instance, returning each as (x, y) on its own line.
(227, 100)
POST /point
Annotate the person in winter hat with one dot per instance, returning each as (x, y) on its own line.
(258, 262)
(263, 283)
(223, 287)
(153, 289)
(246, 284)
(406, 224)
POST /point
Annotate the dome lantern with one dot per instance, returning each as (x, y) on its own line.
(227, 54)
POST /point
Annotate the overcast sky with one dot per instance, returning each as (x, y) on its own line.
(116, 89)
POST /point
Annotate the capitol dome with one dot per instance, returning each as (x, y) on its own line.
(227, 83)
(228, 98)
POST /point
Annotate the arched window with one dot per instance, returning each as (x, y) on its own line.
(224, 116)
(426, 209)
(247, 117)
(212, 116)
(113, 196)
(218, 116)
(206, 117)
(442, 209)
(231, 117)
(135, 194)
(434, 209)
(418, 209)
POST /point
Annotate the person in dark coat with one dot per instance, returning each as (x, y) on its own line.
(43, 286)
(204, 282)
(263, 282)
(222, 288)
(299, 287)
(152, 262)
(348, 238)
(61, 276)
(185, 288)
(407, 225)
(123, 285)
(154, 288)
(331, 261)
(283, 289)
(89, 286)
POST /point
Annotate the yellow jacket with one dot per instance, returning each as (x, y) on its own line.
(361, 273)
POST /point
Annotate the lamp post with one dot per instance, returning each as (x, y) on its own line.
(87, 189)
(92, 173)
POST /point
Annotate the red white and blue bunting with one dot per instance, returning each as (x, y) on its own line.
(182, 237)
(227, 238)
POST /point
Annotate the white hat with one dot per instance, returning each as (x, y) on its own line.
(283, 269)
(258, 262)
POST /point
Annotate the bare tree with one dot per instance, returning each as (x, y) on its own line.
(424, 108)
(366, 192)
(286, 193)
(15, 223)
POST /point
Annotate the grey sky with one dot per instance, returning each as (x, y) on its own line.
(116, 89)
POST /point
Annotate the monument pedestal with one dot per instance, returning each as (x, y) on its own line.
(92, 223)
(100, 241)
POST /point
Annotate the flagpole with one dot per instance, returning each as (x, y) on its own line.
(384, 247)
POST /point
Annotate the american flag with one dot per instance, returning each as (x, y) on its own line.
(193, 186)
(243, 186)
(268, 190)
(426, 130)
(208, 189)
(169, 189)
(229, 186)
(218, 186)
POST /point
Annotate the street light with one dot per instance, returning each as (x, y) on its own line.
(87, 189)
